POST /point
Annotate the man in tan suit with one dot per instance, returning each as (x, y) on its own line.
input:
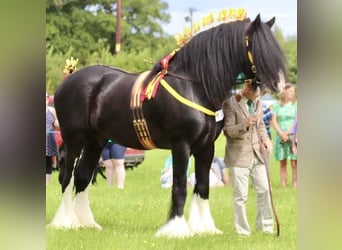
(243, 126)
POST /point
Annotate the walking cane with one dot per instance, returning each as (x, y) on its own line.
(263, 152)
(265, 156)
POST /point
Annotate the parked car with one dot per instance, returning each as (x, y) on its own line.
(133, 157)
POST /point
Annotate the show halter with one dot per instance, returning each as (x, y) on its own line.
(241, 78)
(250, 58)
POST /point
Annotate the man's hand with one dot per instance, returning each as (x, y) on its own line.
(268, 146)
(251, 120)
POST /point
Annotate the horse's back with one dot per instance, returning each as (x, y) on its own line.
(86, 77)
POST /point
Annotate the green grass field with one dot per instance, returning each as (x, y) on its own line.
(131, 217)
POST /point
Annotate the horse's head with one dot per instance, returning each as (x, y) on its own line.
(266, 60)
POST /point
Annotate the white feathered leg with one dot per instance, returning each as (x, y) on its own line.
(200, 219)
(65, 216)
(83, 211)
(175, 228)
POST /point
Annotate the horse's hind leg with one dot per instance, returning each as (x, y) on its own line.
(65, 216)
(83, 175)
(200, 218)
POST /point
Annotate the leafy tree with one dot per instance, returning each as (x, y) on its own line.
(88, 26)
(86, 30)
(289, 46)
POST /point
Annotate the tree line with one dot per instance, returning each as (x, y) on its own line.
(86, 29)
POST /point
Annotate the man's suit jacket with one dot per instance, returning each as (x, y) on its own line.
(242, 142)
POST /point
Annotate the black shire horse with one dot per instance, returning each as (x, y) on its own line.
(181, 112)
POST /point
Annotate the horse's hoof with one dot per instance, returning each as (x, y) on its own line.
(216, 231)
(175, 228)
(97, 226)
(173, 234)
(92, 225)
(207, 231)
(64, 225)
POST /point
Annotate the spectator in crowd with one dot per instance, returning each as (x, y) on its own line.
(219, 168)
(218, 175)
(294, 139)
(113, 156)
(284, 114)
(247, 139)
(267, 117)
(166, 177)
(50, 143)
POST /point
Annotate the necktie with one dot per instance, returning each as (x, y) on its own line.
(250, 107)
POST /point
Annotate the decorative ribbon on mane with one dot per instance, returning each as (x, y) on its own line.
(151, 89)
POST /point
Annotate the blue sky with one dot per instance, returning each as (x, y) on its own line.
(285, 12)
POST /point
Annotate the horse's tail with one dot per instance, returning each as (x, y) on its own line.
(61, 162)
(75, 99)
(72, 105)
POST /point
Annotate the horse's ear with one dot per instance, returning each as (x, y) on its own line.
(271, 22)
(257, 21)
(255, 24)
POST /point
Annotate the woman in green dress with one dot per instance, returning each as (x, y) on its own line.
(284, 114)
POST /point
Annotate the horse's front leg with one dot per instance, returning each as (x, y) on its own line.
(200, 218)
(176, 226)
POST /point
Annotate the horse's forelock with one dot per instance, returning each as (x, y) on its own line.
(268, 56)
